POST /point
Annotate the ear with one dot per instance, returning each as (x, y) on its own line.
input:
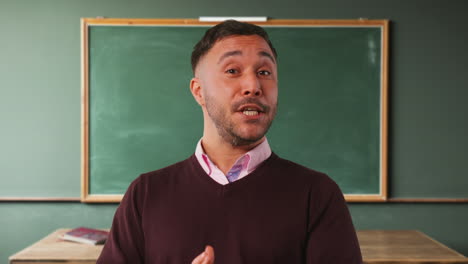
(196, 89)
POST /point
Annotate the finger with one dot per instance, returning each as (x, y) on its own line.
(199, 259)
(209, 253)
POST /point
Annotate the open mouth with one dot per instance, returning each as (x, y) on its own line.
(251, 110)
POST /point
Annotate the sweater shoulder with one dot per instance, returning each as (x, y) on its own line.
(172, 172)
(176, 167)
(303, 175)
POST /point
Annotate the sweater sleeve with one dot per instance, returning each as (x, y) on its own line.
(331, 235)
(125, 244)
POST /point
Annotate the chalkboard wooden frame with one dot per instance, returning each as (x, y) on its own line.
(86, 196)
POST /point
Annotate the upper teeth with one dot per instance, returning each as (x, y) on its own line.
(250, 112)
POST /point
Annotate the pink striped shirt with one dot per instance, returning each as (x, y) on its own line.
(241, 168)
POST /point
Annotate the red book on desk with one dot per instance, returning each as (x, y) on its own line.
(86, 235)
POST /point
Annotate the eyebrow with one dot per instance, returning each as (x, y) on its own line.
(238, 53)
(268, 55)
(229, 54)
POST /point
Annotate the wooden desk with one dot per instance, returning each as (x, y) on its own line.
(405, 247)
(378, 247)
(53, 250)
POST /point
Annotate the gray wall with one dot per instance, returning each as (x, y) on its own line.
(40, 107)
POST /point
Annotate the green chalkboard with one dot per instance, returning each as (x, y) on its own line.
(140, 115)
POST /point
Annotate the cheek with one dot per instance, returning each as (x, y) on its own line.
(271, 92)
(224, 88)
(229, 85)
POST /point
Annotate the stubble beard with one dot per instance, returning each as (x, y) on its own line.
(227, 129)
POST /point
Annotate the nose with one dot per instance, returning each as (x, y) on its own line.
(251, 86)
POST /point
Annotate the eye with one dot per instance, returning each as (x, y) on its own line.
(264, 72)
(232, 71)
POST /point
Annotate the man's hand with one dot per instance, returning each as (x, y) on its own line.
(206, 257)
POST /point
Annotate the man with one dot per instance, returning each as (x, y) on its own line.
(233, 201)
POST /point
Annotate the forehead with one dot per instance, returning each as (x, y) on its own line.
(253, 43)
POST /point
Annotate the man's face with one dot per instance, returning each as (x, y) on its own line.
(239, 88)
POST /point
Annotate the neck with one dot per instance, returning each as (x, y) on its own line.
(224, 154)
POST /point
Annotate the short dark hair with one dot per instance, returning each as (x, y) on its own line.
(225, 29)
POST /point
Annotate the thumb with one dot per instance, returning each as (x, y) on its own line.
(209, 253)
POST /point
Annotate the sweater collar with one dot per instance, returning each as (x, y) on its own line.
(249, 161)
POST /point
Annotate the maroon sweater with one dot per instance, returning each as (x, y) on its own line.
(280, 213)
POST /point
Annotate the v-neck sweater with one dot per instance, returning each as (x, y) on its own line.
(280, 213)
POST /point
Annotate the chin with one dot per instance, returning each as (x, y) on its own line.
(245, 134)
(236, 141)
(249, 138)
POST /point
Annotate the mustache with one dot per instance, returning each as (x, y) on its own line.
(264, 108)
